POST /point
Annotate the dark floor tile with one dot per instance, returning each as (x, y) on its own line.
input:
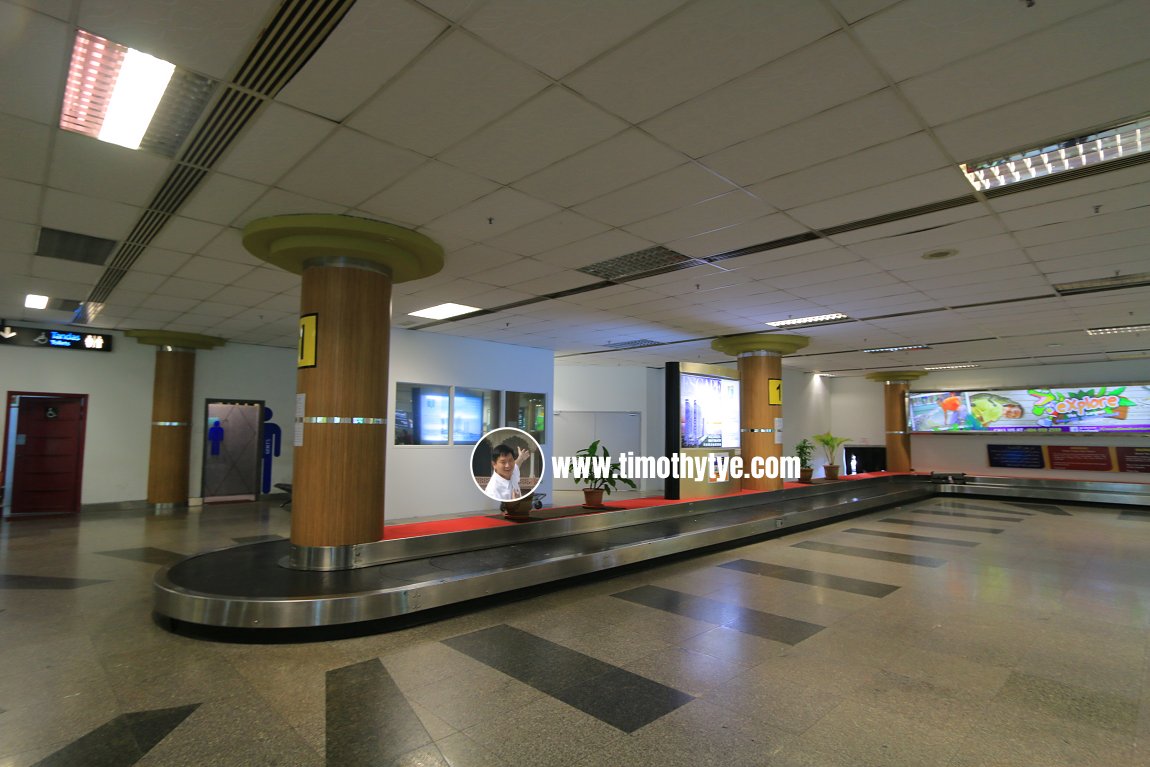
(767, 625)
(856, 551)
(369, 721)
(612, 695)
(121, 742)
(1045, 508)
(147, 554)
(812, 578)
(943, 525)
(968, 515)
(1134, 514)
(45, 582)
(949, 504)
(908, 537)
(257, 538)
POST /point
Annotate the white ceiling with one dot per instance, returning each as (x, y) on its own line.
(534, 138)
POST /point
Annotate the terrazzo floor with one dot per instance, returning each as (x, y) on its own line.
(948, 633)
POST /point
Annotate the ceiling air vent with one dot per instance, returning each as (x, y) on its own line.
(638, 263)
(187, 95)
(55, 243)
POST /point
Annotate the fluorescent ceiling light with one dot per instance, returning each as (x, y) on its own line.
(1103, 283)
(1069, 154)
(818, 319)
(33, 301)
(112, 91)
(896, 348)
(949, 367)
(443, 311)
(1121, 329)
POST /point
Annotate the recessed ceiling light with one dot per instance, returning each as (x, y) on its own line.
(113, 91)
(949, 367)
(1121, 329)
(33, 301)
(1103, 283)
(1068, 154)
(818, 319)
(444, 311)
(911, 347)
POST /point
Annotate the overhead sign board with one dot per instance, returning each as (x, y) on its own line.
(16, 335)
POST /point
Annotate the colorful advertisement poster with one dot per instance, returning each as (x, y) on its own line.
(1070, 410)
(708, 411)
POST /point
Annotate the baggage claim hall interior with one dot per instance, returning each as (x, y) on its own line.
(252, 346)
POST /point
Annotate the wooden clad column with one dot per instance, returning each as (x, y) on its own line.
(896, 384)
(348, 266)
(760, 396)
(169, 456)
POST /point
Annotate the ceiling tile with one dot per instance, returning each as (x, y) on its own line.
(558, 36)
(218, 198)
(907, 193)
(592, 250)
(854, 10)
(269, 279)
(32, 64)
(212, 270)
(716, 213)
(1047, 61)
(182, 288)
(795, 87)
(492, 215)
(624, 159)
(553, 125)
(31, 162)
(1039, 120)
(59, 269)
(548, 234)
(19, 201)
(676, 188)
(759, 230)
(185, 235)
(348, 168)
(695, 50)
(323, 86)
(516, 272)
(87, 166)
(427, 193)
(276, 139)
(459, 86)
(905, 157)
(88, 215)
(203, 37)
(278, 202)
(160, 261)
(553, 283)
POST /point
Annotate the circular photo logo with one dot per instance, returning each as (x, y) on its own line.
(507, 464)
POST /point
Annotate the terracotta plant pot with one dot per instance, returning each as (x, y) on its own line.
(592, 498)
(805, 475)
(831, 471)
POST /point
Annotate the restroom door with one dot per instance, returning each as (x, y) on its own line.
(44, 453)
(232, 450)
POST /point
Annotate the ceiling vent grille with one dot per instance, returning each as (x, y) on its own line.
(183, 102)
(296, 32)
(1102, 284)
(83, 248)
(921, 210)
(638, 343)
(639, 263)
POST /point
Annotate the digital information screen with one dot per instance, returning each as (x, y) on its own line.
(1111, 408)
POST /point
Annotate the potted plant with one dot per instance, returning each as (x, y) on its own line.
(803, 451)
(599, 483)
(830, 445)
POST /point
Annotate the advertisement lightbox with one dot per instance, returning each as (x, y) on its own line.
(708, 411)
(1109, 408)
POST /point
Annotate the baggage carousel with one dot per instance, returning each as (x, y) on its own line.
(260, 589)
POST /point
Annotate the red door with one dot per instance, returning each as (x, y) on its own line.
(49, 454)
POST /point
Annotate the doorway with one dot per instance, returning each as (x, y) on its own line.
(232, 450)
(43, 461)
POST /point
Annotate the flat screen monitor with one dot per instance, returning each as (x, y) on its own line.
(708, 411)
(468, 427)
(1110, 408)
(433, 417)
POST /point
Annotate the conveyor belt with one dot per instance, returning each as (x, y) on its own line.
(247, 587)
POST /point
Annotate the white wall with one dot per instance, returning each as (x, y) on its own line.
(119, 389)
(435, 480)
(616, 389)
